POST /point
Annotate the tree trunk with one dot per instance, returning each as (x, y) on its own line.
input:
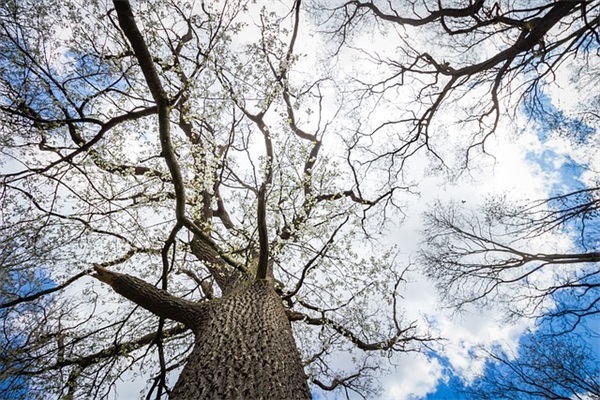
(244, 344)
(244, 350)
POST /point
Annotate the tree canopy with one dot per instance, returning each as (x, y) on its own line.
(187, 149)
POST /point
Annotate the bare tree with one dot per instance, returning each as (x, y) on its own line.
(182, 165)
(455, 67)
(450, 75)
(545, 367)
(499, 253)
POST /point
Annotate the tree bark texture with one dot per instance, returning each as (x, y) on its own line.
(244, 346)
(244, 350)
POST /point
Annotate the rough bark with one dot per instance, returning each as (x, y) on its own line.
(244, 346)
(158, 302)
(244, 350)
(224, 275)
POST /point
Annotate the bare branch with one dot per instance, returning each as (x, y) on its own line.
(42, 293)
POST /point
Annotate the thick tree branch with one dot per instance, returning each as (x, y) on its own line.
(526, 42)
(146, 63)
(224, 275)
(336, 381)
(533, 32)
(142, 54)
(263, 270)
(151, 298)
(347, 193)
(470, 11)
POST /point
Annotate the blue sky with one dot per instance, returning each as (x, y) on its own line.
(20, 288)
(549, 119)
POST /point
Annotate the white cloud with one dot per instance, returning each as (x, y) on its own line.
(474, 329)
(415, 377)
